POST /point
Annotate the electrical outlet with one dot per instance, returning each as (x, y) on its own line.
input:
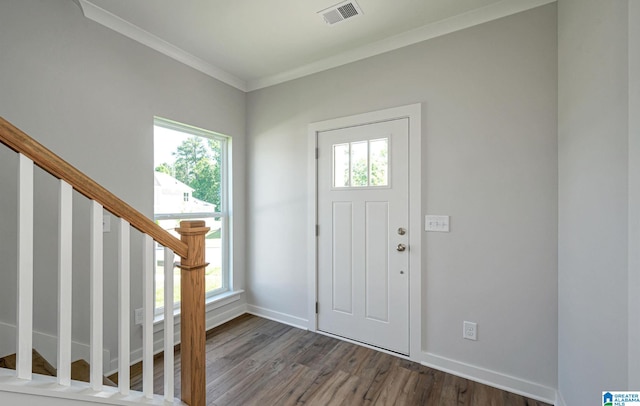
(139, 316)
(470, 330)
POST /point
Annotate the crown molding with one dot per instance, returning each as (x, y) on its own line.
(471, 18)
(110, 20)
(478, 16)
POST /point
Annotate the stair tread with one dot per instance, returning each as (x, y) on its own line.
(80, 369)
(39, 364)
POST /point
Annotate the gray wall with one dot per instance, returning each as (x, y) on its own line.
(90, 95)
(634, 194)
(594, 201)
(490, 159)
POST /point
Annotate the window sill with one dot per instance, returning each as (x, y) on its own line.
(211, 304)
(222, 299)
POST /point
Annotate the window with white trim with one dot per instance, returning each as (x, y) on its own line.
(361, 164)
(191, 181)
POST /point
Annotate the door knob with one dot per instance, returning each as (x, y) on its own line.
(401, 247)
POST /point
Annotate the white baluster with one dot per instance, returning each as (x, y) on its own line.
(65, 244)
(168, 324)
(124, 347)
(96, 278)
(25, 268)
(148, 296)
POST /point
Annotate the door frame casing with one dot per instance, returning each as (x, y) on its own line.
(414, 113)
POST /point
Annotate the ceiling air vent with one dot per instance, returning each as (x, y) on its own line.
(340, 12)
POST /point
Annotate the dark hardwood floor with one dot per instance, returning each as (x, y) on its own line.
(254, 361)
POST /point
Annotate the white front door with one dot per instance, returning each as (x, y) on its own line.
(363, 218)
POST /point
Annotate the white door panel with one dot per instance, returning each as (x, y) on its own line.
(342, 281)
(363, 280)
(377, 261)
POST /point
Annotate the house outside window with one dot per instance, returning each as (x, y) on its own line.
(191, 183)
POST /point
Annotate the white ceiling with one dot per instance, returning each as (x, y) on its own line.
(252, 44)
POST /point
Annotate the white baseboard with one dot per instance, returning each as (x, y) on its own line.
(495, 379)
(46, 345)
(492, 378)
(283, 318)
(7, 339)
(212, 320)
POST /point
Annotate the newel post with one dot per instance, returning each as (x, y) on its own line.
(192, 326)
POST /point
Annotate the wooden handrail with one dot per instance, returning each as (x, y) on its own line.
(191, 248)
(20, 142)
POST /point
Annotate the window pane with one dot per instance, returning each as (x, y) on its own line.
(213, 253)
(159, 279)
(379, 162)
(187, 173)
(341, 165)
(208, 188)
(359, 164)
(190, 184)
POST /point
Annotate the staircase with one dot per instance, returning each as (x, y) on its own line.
(80, 370)
(26, 375)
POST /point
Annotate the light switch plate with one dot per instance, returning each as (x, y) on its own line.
(106, 223)
(436, 223)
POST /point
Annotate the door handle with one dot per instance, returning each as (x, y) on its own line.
(401, 247)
